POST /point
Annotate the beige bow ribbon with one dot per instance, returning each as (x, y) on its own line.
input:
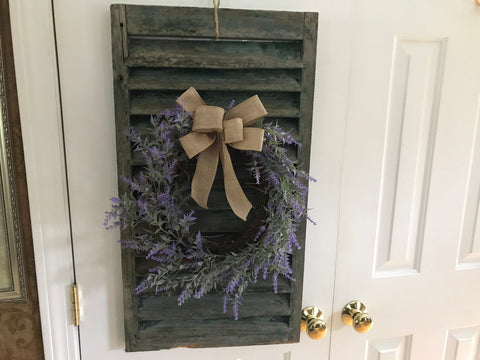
(211, 131)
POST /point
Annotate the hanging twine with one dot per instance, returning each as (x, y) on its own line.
(216, 5)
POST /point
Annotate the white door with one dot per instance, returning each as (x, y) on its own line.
(404, 212)
(409, 246)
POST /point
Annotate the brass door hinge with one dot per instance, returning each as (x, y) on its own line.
(75, 305)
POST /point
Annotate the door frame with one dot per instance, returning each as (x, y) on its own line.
(40, 112)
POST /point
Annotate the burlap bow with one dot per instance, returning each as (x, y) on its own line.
(211, 132)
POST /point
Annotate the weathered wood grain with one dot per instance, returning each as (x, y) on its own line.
(198, 22)
(215, 327)
(251, 80)
(210, 307)
(201, 333)
(305, 132)
(223, 340)
(278, 104)
(158, 52)
(120, 79)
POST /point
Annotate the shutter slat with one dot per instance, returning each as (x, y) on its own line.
(210, 307)
(279, 333)
(278, 105)
(252, 80)
(219, 332)
(218, 327)
(221, 54)
(235, 24)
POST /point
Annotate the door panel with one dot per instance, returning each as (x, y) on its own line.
(407, 245)
(469, 244)
(408, 150)
(397, 348)
(463, 344)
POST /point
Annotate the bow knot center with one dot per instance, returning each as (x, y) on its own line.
(208, 119)
(233, 130)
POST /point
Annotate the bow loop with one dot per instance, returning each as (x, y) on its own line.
(249, 111)
(212, 130)
(190, 100)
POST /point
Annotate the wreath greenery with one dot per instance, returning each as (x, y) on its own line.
(153, 212)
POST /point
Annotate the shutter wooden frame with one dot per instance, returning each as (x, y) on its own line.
(158, 52)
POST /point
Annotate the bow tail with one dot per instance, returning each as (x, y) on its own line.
(235, 196)
(205, 174)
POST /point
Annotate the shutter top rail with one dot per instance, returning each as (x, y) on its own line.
(198, 22)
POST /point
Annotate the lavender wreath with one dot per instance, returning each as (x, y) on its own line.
(154, 211)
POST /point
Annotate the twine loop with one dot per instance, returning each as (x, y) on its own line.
(216, 5)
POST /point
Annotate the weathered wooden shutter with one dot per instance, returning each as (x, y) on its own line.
(158, 52)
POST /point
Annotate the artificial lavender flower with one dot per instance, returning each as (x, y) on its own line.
(199, 242)
(142, 207)
(188, 218)
(275, 283)
(260, 232)
(235, 309)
